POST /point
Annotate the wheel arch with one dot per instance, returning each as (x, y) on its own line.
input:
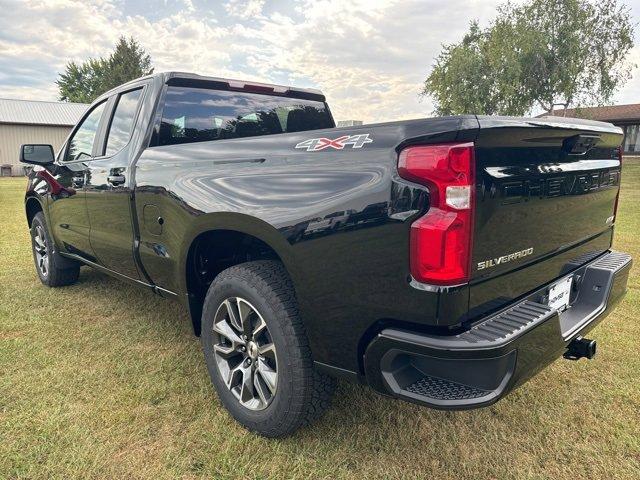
(32, 206)
(224, 240)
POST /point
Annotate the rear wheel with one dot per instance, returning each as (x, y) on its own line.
(257, 352)
(53, 269)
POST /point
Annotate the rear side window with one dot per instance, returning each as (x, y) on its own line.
(122, 122)
(200, 115)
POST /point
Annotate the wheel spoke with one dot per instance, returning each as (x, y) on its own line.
(224, 329)
(268, 375)
(267, 348)
(259, 387)
(244, 310)
(234, 372)
(259, 328)
(233, 316)
(225, 351)
(246, 391)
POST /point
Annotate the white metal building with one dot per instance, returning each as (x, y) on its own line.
(27, 121)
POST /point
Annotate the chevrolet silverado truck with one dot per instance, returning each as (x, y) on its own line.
(441, 261)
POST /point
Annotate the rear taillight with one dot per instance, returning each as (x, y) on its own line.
(442, 240)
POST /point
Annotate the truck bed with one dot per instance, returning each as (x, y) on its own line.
(266, 185)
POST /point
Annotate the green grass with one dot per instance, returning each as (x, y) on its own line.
(102, 380)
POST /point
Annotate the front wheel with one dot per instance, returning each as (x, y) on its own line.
(257, 352)
(53, 269)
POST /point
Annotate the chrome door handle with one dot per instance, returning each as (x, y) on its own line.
(116, 179)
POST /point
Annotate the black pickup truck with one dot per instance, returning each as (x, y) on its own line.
(442, 261)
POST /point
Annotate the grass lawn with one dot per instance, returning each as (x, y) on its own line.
(102, 380)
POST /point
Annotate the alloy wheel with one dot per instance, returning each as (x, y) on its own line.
(245, 354)
(40, 249)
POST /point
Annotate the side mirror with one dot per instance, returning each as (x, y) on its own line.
(37, 154)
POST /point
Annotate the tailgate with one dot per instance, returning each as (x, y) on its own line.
(545, 199)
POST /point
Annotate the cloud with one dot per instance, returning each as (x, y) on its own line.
(630, 93)
(244, 8)
(369, 57)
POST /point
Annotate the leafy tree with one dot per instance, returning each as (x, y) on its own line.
(86, 81)
(478, 75)
(542, 53)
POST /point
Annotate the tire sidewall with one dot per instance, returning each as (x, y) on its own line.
(275, 318)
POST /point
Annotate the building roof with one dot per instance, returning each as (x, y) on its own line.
(35, 112)
(611, 113)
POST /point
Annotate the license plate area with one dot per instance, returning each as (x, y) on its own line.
(559, 294)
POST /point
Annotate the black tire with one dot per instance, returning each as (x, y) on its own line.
(302, 394)
(53, 269)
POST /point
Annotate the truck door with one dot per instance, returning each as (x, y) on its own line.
(68, 211)
(109, 187)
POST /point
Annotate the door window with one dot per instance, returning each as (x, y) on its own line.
(122, 122)
(81, 143)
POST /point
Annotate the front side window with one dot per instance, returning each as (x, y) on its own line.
(200, 115)
(122, 122)
(81, 143)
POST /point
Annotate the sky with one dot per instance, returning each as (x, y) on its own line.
(369, 57)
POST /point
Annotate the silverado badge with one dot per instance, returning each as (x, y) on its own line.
(494, 262)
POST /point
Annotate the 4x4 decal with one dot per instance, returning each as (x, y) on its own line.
(317, 144)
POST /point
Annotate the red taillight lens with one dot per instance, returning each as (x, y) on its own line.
(441, 240)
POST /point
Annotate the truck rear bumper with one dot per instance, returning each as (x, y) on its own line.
(479, 366)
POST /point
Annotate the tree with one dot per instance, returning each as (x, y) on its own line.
(542, 53)
(86, 81)
(478, 75)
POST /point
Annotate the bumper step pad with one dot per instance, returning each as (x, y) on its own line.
(441, 389)
(508, 323)
(613, 262)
